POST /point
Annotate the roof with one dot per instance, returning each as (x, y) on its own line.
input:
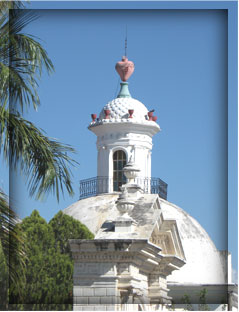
(119, 118)
(119, 109)
(101, 209)
(126, 112)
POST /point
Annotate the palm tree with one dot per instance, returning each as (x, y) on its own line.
(22, 59)
(12, 251)
(43, 160)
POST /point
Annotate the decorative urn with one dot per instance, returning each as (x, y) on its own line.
(93, 116)
(131, 171)
(107, 113)
(124, 204)
(131, 111)
(125, 68)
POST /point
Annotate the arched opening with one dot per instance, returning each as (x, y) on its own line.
(119, 161)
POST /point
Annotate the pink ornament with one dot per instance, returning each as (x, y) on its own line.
(93, 116)
(107, 113)
(150, 114)
(131, 111)
(125, 68)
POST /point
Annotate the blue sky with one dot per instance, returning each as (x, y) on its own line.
(180, 61)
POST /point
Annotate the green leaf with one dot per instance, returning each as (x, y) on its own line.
(43, 160)
(22, 60)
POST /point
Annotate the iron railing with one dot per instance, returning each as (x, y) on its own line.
(99, 185)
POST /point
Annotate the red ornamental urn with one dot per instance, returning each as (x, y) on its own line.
(125, 68)
(150, 114)
(107, 113)
(131, 111)
(93, 116)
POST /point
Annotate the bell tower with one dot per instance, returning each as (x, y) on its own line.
(124, 268)
(124, 131)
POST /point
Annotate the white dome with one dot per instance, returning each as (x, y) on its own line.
(119, 109)
(204, 263)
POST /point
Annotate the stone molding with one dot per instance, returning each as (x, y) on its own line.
(166, 235)
(134, 269)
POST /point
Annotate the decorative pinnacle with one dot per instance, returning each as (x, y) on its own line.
(124, 68)
(125, 47)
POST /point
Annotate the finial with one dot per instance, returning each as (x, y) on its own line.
(125, 68)
(126, 42)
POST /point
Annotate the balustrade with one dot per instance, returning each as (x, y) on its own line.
(100, 185)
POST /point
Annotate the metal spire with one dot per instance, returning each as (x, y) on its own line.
(126, 42)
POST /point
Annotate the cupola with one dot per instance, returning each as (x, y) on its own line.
(124, 130)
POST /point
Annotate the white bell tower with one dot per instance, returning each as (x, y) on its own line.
(124, 131)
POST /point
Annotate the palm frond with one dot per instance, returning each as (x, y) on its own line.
(18, 85)
(7, 5)
(12, 241)
(43, 160)
(25, 59)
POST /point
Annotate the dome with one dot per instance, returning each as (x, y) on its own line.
(126, 112)
(204, 263)
(119, 109)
